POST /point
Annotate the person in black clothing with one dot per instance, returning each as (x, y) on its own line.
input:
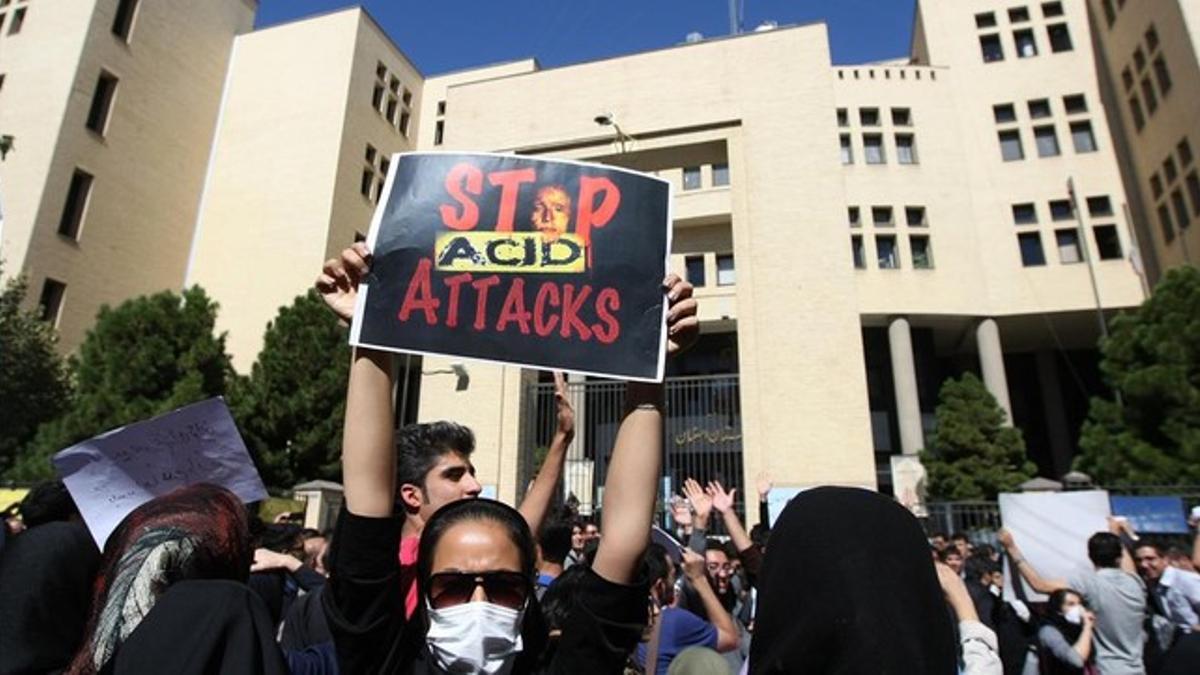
(984, 583)
(476, 611)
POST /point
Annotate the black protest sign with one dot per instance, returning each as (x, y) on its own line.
(542, 263)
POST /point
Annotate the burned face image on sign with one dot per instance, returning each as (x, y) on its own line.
(551, 212)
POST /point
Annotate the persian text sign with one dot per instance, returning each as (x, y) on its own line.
(115, 472)
(541, 263)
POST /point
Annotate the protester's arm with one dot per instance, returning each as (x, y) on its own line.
(1022, 565)
(693, 569)
(631, 487)
(1121, 527)
(723, 503)
(537, 501)
(1083, 646)
(266, 560)
(702, 506)
(980, 650)
(763, 484)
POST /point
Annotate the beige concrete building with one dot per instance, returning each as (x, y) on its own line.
(857, 234)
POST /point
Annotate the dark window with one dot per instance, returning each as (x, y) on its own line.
(1010, 146)
(51, 299)
(991, 48)
(77, 197)
(873, 149)
(394, 85)
(380, 70)
(1068, 246)
(1052, 9)
(1047, 141)
(1060, 209)
(906, 149)
(1060, 37)
(18, 20)
(922, 252)
(1164, 221)
(441, 108)
(377, 97)
(886, 253)
(1127, 78)
(439, 132)
(691, 178)
(1148, 94)
(1152, 38)
(914, 216)
(985, 20)
(843, 119)
(902, 117)
(1108, 242)
(1024, 214)
(392, 104)
(1018, 14)
(726, 275)
(1193, 188)
(1139, 59)
(860, 255)
(869, 117)
(1100, 206)
(370, 154)
(1039, 108)
(1082, 137)
(881, 216)
(847, 149)
(123, 20)
(1184, 150)
(1110, 15)
(1169, 171)
(407, 97)
(384, 165)
(1162, 75)
(1075, 104)
(694, 268)
(854, 216)
(102, 98)
(1032, 254)
(1182, 220)
(368, 180)
(1156, 186)
(1004, 112)
(1135, 110)
(404, 119)
(720, 174)
(1026, 45)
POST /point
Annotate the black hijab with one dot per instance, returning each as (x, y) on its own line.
(848, 586)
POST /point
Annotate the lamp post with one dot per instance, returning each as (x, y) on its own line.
(607, 120)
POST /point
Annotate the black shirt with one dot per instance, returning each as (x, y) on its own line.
(364, 606)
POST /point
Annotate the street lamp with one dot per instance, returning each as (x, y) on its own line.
(607, 120)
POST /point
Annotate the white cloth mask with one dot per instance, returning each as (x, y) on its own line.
(474, 637)
(1074, 615)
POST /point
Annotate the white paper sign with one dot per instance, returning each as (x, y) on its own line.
(117, 471)
(1052, 529)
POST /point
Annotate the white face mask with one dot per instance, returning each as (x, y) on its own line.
(1074, 615)
(994, 590)
(475, 637)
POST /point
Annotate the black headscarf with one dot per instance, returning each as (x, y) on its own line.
(848, 586)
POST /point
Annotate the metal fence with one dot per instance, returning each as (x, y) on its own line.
(702, 439)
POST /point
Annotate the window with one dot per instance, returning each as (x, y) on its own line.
(406, 97)
(1184, 150)
(881, 216)
(1098, 207)
(123, 20)
(1110, 15)
(50, 303)
(1031, 249)
(1024, 214)
(1026, 45)
(873, 149)
(985, 20)
(1075, 104)
(439, 132)
(1060, 37)
(370, 154)
(380, 70)
(847, 150)
(854, 216)
(1060, 209)
(902, 117)
(859, 253)
(1182, 220)
(691, 177)
(1047, 141)
(694, 269)
(1156, 186)
(1169, 171)
(1152, 38)
(1127, 78)
(1162, 75)
(914, 216)
(1135, 110)
(1193, 188)
(441, 108)
(368, 180)
(1139, 59)
(394, 85)
(1148, 94)
(1010, 146)
(1164, 221)
(1108, 242)
(906, 149)
(18, 20)
(1068, 246)
(843, 119)
(1018, 14)
(102, 98)
(377, 97)
(77, 198)
(720, 174)
(1052, 9)
(726, 275)
(404, 119)
(886, 253)
(392, 104)
(922, 254)
(1005, 112)
(869, 117)
(990, 46)
(384, 165)
(1039, 108)
(1082, 137)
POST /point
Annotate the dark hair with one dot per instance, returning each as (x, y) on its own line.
(936, 535)
(959, 536)
(310, 533)
(1104, 549)
(420, 446)
(985, 550)
(655, 564)
(48, 502)
(945, 553)
(555, 540)
(977, 566)
(1150, 543)
(1057, 597)
(560, 595)
(480, 509)
(711, 544)
(760, 534)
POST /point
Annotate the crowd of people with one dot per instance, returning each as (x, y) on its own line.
(420, 574)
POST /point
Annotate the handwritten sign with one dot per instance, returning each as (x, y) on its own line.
(117, 471)
(543, 263)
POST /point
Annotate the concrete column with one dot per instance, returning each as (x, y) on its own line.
(991, 362)
(904, 379)
(1056, 415)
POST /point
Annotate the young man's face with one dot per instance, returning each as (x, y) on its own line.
(451, 479)
(577, 538)
(954, 561)
(1150, 564)
(719, 569)
(590, 532)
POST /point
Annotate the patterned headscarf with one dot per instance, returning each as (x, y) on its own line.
(195, 532)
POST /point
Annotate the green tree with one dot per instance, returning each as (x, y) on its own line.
(34, 387)
(147, 356)
(290, 408)
(972, 455)
(1152, 357)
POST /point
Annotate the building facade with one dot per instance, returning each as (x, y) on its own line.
(857, 234)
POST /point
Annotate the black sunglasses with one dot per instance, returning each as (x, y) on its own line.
(507, 589)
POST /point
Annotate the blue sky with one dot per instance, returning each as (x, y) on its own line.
(452, 34)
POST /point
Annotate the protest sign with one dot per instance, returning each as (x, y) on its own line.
(542, 263)
(1052, 529)
(115, 472)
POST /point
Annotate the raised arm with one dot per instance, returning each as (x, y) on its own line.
(723, 503)
(1036, 582)
(368, 446)
(763, 484)
(631, 486)
(702, 504)
(537, 501)
(727, 633)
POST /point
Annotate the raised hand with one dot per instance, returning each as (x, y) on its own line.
(701, 503)
(339, 280)
(683, 326)
(763, 484)
(693, 565)
(566, 414)
(722, 501)
(681, 512)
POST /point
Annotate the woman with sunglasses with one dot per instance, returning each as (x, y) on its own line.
(477, 611)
